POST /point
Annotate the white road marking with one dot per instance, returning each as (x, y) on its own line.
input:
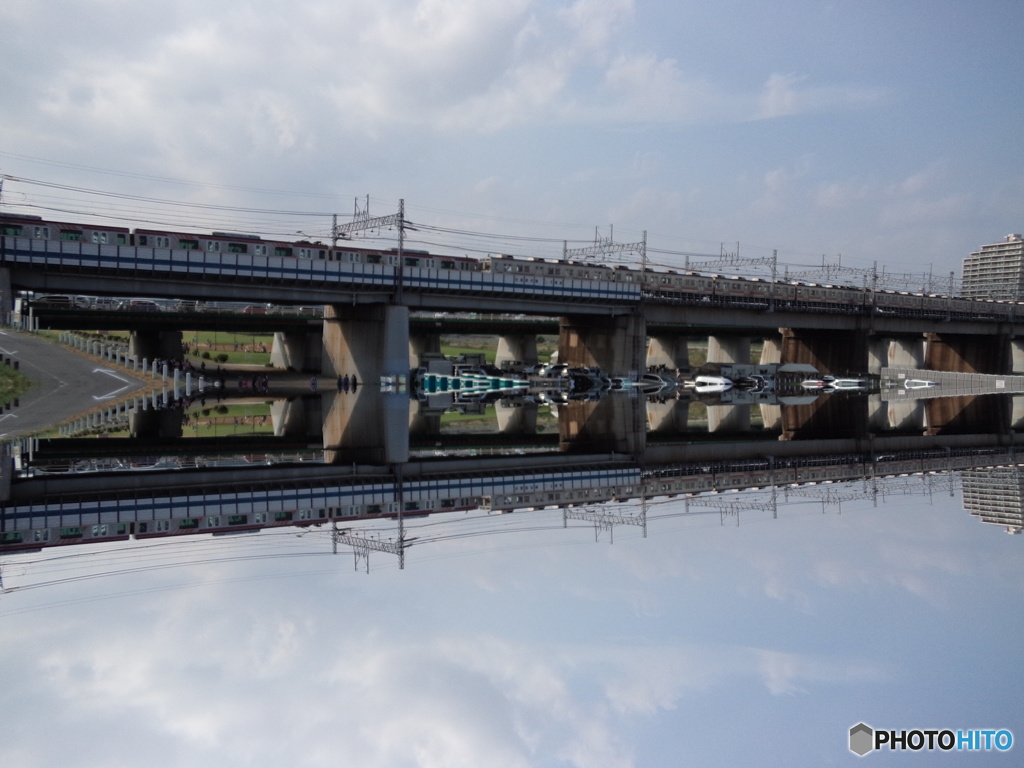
(115, 392)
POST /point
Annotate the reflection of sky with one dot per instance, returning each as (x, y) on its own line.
(703, 644)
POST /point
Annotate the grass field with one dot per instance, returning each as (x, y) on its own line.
(13, 384)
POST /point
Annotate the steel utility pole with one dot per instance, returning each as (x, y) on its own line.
(361, 221)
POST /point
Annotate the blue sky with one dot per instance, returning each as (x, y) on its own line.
(703, 644)
(881, 131)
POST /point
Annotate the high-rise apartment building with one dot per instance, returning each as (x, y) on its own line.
(996, 271)
(995, 495)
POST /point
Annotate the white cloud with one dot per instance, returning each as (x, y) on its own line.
(790, 94)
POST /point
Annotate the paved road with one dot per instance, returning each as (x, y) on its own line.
(66, 383)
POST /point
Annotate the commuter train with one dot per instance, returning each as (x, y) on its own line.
(244, 255)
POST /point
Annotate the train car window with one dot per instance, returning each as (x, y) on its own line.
(238, 248)
(213, 246)
(71, 235)
(445, 264)
(412, 261)
(43, 233)
(260, 250)
(283, 252)
(99, 237)
(14, 230)
(186, 245)
(373, 258)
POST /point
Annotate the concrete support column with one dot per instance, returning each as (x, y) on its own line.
(155, 422)
(516, 418)
(162, 345)
(614, 343)
(297, 351)
(671, 351)
(423, 345)
(906, 352)
(835, 352)
(906, 415)
(670, 417)
(613, 424)
(965, 353)
(729, 349)
(1017, 413)
(370, 341)
(1017, 355)
(517, 348)
(728, 418)
(771, 351)
(298, 417)
(771, 416)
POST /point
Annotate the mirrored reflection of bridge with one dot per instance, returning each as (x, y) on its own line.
(51, 511)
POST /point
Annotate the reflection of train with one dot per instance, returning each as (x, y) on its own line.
(28, 238)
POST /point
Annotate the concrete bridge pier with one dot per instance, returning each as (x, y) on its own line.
(367, 427)
(1016, 355)
(297, 351)
(516, 418)
(828, 351)
(903, 416)
(614, 424)
(615, 343)
(728, 418)
(1017, 413)
(967, 353)
(162, 423)
(297, 417)
(729, 349)
(967, 415)
(516, 348)
(155, 345)
(370, 341)
(906, 352)
(771, 351)
(422, 345)
(671, 351)
(424, 420)
(771, 416)
(669, 417)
